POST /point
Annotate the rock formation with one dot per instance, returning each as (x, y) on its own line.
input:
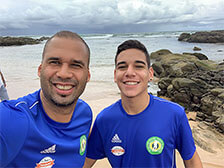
(17, 41)
(194, 82)
(203, 37)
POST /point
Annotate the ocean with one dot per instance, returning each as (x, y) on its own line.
(19, 63)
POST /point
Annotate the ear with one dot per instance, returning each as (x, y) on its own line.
(151, 72)
(115, 80)
(89, 75)
(39, 69)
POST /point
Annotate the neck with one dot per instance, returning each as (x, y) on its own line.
(57, 113)
(135, 105)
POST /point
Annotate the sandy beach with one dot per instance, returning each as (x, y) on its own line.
(101, 94)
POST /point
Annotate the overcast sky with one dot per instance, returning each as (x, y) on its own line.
(39, 17)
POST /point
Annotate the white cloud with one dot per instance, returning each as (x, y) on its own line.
(104, 15)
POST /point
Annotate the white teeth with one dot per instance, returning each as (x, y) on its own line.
(64, 87)
(131, 83)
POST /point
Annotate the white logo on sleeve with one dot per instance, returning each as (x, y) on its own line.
(49, 150)
(116, 139)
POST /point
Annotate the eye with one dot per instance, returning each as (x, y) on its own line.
(139, 66)
(121, 67)
(76, 65)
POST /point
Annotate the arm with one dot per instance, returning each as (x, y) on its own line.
(194, 162)
(89, 163)
(3, 79)
(11, 139)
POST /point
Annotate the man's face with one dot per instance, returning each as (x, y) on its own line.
(64, 71)
(132, 73)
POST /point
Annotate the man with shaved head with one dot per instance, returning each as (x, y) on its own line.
(50, 127)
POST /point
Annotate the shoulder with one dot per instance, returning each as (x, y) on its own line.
(11, 114)
(82, 109)
(82, 105)
(16, 111)
(168, 105)
(13, 111)
(110, 112)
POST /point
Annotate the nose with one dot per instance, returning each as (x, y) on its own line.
(64, 72)
(130, 71)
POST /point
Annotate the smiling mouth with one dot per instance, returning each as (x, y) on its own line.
(63, 87)
(131, 83)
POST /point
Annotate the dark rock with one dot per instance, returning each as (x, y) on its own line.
(44, 38)
(221, 96)
(196, 99)
(200, 116)
(158, 54)
(164, 83)
(17, 41)
(9, 41)
(220, 122)
(183, 83)
(197, 49)
(184, 36)
(217, 91)
(195, 83)
(158, 69)
(200, 56)
(181, 97)
(203, 37)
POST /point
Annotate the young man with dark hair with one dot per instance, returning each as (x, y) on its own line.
(49, 128)
(140, 130)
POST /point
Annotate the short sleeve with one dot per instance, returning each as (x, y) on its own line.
(95, 149)
(184, 140)
(13, 131)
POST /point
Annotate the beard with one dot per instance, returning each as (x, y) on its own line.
(54, 98)
(63, 104)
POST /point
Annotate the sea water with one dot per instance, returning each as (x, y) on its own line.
(19, 63)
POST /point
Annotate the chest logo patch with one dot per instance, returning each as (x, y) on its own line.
(117, 150)
(116, 139)
(82, 145)
(154, 145)
(46, 162)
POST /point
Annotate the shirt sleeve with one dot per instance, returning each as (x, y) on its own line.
(13, 131)
(95, 147)
(185, 141)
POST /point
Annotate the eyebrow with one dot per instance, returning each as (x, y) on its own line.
(119, 63)
(73, 61)
(137, 61)
(53, 58)
(140, 62)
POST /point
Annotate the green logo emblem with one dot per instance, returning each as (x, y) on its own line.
(82, 145)
(154, 145)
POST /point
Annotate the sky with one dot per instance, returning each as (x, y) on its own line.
(45, 17)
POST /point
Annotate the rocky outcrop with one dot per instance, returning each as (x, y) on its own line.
(17, 41)
(196, 49)
(203, 37)
(194, 82)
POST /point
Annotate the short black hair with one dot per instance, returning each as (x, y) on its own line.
(67, 34)
(133, 44)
